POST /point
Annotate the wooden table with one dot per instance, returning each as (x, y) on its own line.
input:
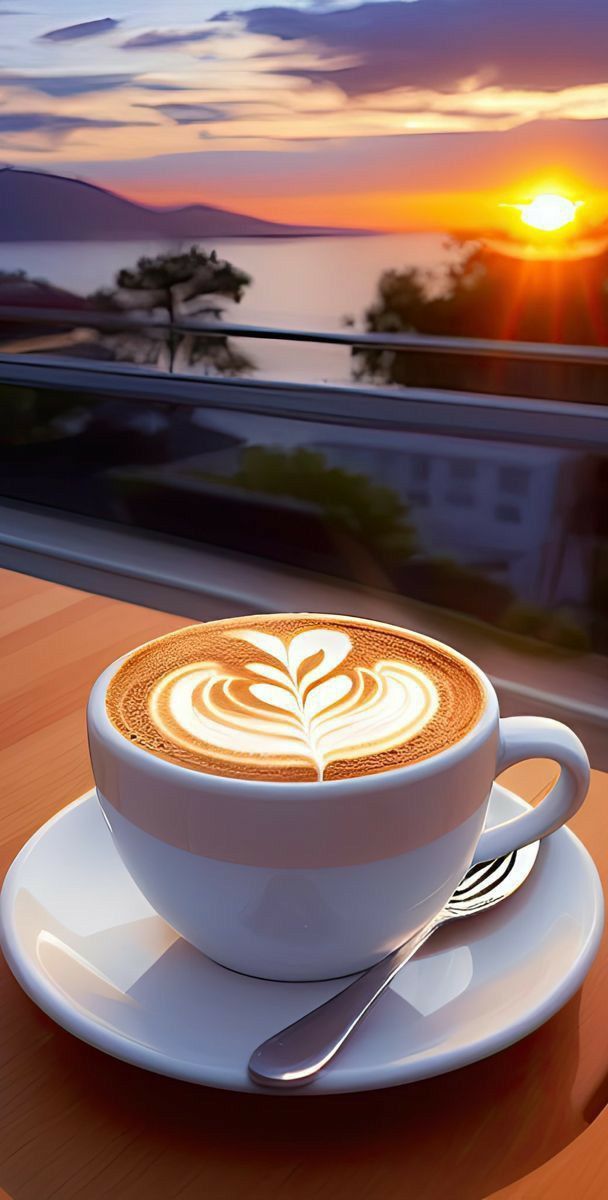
(526, 1124)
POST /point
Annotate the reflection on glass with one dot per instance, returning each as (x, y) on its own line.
(336, 499)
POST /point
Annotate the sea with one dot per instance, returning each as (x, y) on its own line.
(297, 283)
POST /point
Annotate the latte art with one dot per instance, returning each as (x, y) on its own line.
(295, 704)
(298, 698)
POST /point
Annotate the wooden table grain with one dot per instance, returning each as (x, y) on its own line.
(75, 1124)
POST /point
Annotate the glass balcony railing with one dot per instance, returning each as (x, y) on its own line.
(221, 348)
(477, 516)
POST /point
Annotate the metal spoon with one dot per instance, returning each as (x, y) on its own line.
(296, 1055)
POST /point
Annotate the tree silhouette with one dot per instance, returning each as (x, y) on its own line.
(20, 276)
(488, 294)
(170, 287)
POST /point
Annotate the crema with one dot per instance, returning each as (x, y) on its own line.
(294, 698)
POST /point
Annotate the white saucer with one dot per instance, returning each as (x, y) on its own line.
(87, 947)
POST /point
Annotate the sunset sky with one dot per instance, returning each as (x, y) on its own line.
(400, 114)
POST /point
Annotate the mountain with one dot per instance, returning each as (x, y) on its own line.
(39, 207)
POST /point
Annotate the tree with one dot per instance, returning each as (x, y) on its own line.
(373, 514)
(489, 294)
(170, 287)
(19, 276)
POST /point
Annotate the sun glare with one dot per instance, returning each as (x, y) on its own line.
(548, 212)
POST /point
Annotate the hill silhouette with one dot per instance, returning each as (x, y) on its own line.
(36, 206)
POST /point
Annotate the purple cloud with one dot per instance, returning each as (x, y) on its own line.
(189, 114)
(66, 85)
(438, 43)
(53, 123)
(424, 163)
(166, 37)
(86, 29)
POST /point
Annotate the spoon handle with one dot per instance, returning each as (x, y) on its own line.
(293, 1057)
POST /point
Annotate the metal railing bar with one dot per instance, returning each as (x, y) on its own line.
(574, 424)
(407, 342)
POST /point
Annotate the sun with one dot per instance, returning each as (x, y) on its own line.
(548, 211)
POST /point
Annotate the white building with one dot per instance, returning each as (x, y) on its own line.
(502, 507)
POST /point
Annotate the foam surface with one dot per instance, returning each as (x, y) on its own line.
(293, 698)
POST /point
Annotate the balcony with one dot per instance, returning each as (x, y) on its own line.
(479, 518)
(133, 502)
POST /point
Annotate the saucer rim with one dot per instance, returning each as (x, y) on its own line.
(119, 1045)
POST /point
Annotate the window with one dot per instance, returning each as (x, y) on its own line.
(418, 498)
(419, 468)
(513, 480)
(462, 468)
(460, 497)
(509, 513)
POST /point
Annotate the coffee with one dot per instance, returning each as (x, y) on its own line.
(294, 698)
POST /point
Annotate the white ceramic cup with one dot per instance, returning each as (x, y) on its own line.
(318, 880)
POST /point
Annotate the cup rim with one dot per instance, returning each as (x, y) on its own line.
(97, 716)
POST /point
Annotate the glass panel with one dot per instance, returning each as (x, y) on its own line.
(526, 599)
(343, 286)
(327, 496)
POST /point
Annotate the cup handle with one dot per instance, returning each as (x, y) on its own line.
(537, 737)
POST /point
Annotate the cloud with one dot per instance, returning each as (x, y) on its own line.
(21, 122)
(189, 114)
(86, 29)
(53, 123)
(428, 164)
(166, 37)
(285, 139)
(140, 81)
(288, 77)
(442, 44)
(66, 85)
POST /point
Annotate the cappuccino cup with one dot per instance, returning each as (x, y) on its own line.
(297, 794)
